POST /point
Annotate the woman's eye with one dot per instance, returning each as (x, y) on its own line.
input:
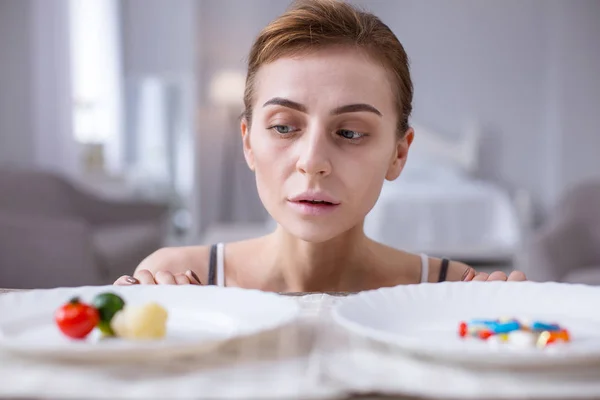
(348, 134)
(283, 129)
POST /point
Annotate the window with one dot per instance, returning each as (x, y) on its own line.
(97, 79)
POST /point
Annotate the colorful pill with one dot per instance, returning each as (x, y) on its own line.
(519, 333)
(485, 334)
(505, 327)
(474, 330)
(463, 329)
(541, 326)
(545, 339)
(563, 334)
(482, 322)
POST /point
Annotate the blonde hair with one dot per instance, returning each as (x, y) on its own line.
(309, 25)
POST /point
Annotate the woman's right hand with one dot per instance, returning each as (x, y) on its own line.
(145, 277)
(167, 266)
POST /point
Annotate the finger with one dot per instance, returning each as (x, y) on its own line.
(145, 277)
(182, 279)
(194, 280)
(468, 275)
(517, 276)
(481, 277)
(497, 276)
(164, 278)
(126, 280)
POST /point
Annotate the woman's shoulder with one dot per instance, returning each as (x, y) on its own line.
(195, 258)
(393, 258)
(178, 260)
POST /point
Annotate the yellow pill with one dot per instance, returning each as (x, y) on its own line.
(543, 339)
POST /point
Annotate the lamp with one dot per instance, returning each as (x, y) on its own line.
(227, 89)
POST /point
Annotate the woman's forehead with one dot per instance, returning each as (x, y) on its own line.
(326, 76)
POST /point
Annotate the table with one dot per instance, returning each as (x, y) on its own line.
(273, 347)
(351, 397)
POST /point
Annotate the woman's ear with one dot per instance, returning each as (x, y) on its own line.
(400, 154)
(245, 128)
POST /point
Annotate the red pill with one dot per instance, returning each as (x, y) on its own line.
(485, 334)
(463, 329)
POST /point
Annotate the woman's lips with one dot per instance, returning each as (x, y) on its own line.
(313, 208)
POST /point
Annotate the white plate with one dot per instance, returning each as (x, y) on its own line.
(423, 320)
(200, 318)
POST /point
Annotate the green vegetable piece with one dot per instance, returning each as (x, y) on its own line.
(107, 304)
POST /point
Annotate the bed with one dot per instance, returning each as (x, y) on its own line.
(438, 208)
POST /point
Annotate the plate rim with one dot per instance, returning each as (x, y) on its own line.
(498, 359)
(192, 348)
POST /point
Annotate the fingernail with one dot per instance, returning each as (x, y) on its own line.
(131, 280)
(466, 274)
(193, 274)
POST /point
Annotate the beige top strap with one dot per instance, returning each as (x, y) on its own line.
(424, 268)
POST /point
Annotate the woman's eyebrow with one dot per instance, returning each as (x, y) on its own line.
(355, 108)
(280, 101)
(350, 108)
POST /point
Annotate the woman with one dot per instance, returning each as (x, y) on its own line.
(327, 102)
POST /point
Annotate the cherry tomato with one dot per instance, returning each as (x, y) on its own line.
(76, 319)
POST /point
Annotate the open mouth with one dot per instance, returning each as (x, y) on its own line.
(312, 207)
(317, 202)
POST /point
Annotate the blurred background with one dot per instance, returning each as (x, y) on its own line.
(118, 134)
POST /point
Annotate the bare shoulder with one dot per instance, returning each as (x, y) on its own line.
(178, 260)
(197, 259)
(393, 258)
(395, 266)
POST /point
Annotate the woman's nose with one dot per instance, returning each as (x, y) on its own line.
(314, 154)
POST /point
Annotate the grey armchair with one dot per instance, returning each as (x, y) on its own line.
(54, 234)
(567, 247)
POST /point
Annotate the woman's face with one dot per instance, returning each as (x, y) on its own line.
(322, 140)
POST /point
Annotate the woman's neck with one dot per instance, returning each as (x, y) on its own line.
(301, 266)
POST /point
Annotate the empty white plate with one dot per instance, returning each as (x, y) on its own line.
(200, 318)
(423, 320)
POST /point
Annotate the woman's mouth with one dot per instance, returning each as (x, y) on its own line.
(316, 202)
(313, 204)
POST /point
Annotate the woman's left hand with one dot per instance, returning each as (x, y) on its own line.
(473, 276)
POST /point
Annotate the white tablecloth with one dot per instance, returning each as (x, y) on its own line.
(311, 359)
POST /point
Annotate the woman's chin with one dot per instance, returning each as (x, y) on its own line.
(313, 232)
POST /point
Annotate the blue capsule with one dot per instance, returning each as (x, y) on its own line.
(483, 322)
(495, 325)
(506, 327)
(541, 326)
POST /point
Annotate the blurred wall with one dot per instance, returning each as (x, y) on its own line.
(576, 101)
(16, 136)
(158, 37)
